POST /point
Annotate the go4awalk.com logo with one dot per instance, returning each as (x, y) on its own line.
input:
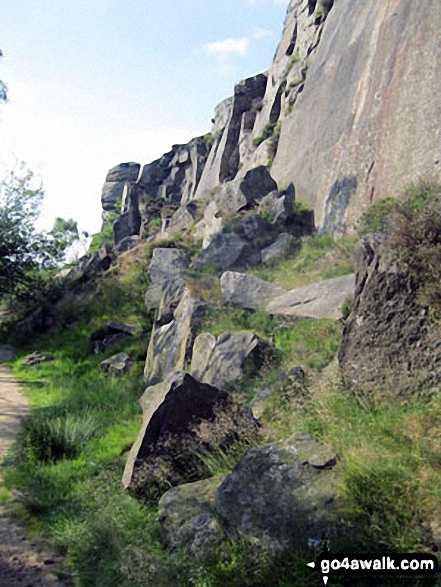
(328, 564)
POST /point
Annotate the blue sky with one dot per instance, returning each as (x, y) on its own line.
(93, 83)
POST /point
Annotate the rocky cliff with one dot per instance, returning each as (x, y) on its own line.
(348, 113)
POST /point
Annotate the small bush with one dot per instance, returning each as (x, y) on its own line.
(415, 234)
(267, 132)
(376, 218)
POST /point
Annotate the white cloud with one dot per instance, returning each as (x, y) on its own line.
(260, 33)
(223, 49)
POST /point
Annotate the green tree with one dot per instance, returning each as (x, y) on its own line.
(28, 257)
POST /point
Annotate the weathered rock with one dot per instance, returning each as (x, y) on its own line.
(170, 345)
(287, 492)
(166, 264)
(278, 248)
(172, 292)
(318, 300)
(234, 122)
(182, 219)
(227, 251)
(36, 358)
(247, 291)
(235, 195)
(91, 265)
(374, 74)
(231, 197)
(217, 361)
(117, 364)
(388, 346)
(112, 333)
(253, 229)
(172, 411)
(124, 172)
(127, 243)
(116, 180)
(187, 517)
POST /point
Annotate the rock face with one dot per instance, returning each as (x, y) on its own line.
(388, 346)
(286, 492)
(117, 179)
(368, 115)
(247, 291)
(217, 361)
(278, 248)
(232, 197)
(166, 445)
(348, 113)
(233, 126)
(318, 300)
(170, 345)
(167, 264)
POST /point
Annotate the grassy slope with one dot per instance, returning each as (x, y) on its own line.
(390, 453)
(318, 258)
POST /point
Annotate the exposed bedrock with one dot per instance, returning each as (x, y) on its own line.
(389, 347)
(367, 122)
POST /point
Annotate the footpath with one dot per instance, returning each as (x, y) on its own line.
(24, 561)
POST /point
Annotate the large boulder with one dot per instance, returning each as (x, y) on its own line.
(228, 357)
(388, 345)
(109, 335)
(227, 251)
(116, 180)
(285, 492)
(170, 345)
(187, 517)
(279, 247)
(172, 292)
(230, 198)
(247, 291)
(36, 358)
(166, 264)
(116, 365)
(174, 412)
(318, 300)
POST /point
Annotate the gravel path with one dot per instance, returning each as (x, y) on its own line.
(24, 562)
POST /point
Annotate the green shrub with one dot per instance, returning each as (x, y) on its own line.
(376, 217)
(267, 132)
(415, 234)
(51, 435)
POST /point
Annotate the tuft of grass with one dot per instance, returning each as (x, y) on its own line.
(389, 459)
(310, 343)
(232, 319)
(48, 437)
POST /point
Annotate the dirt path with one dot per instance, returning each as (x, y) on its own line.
(24, 562)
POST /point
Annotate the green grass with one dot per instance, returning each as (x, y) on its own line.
(69, 460)
(313, 259)
(389, 457)
(232, 319)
